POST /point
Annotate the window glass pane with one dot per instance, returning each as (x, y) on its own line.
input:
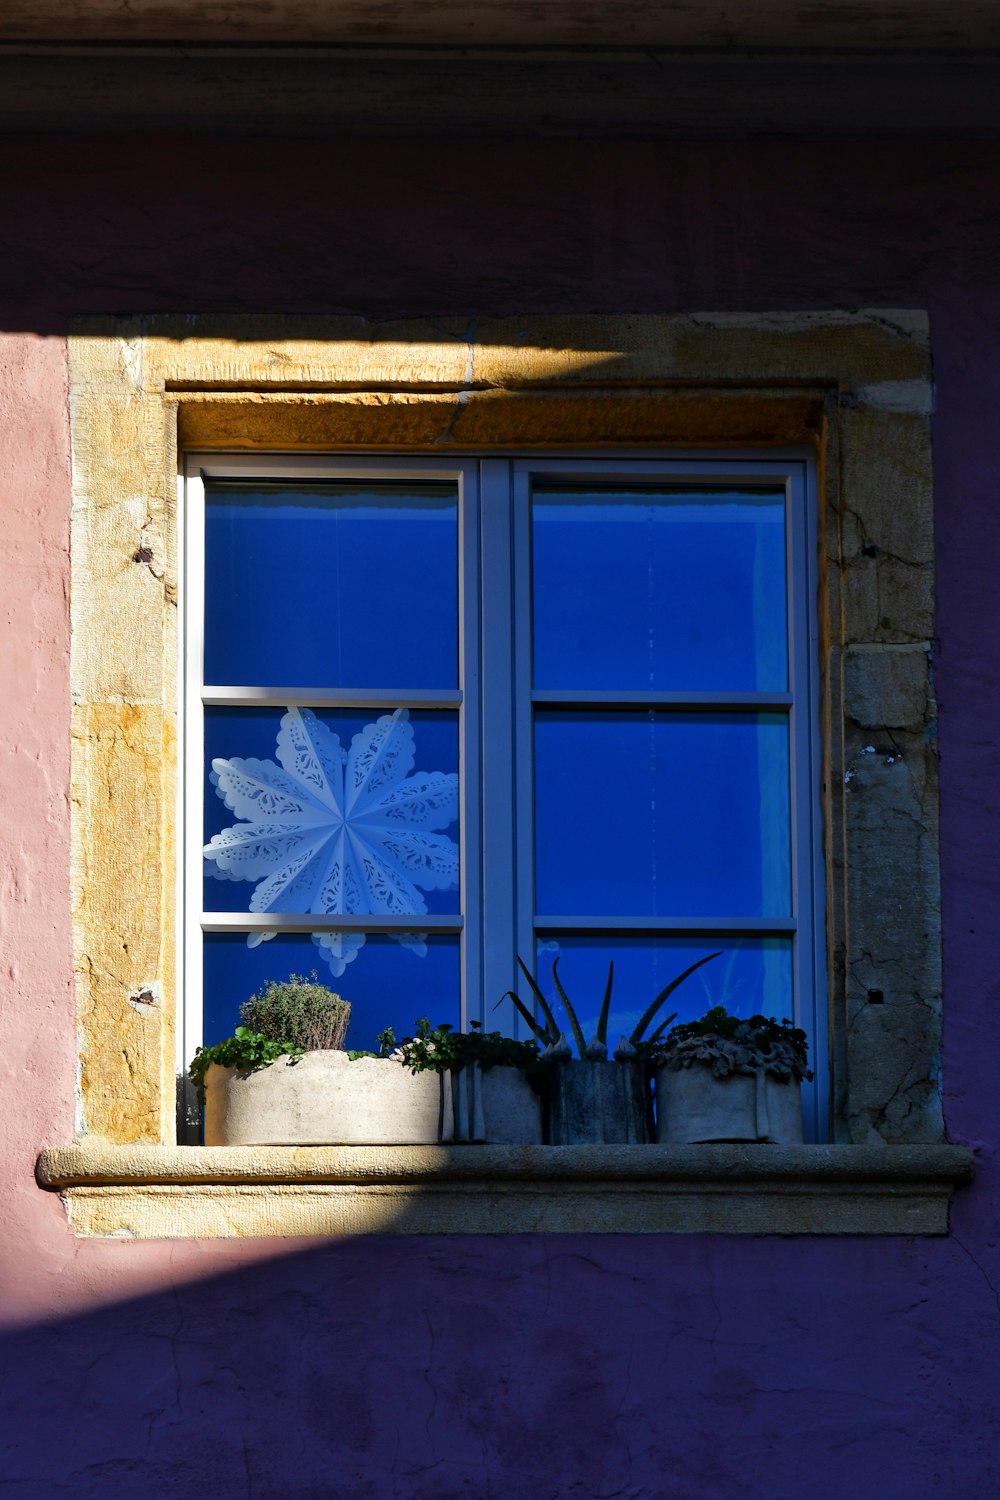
(348, 584)
(662, 588)
(751, 976)
(331, 811)
(387, 983)
(655, 813)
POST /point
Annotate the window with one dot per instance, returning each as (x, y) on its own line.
(442, 714)
(844, 396)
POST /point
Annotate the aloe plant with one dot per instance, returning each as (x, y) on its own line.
(555, 1045)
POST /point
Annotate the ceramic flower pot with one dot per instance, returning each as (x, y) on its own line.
(322, 1098)
(694, 1107)
(493, 1105)
(598, 1103)
(325, 1099)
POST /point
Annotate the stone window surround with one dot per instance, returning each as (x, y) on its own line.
(856, 387)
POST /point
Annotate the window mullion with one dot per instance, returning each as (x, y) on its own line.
(191, 528)
(498, 749)
(470, 759)
(808, 867)
(524, 755)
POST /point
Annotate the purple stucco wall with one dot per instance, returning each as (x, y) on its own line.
(528, 1369)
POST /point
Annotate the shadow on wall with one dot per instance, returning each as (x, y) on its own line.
(563, 1369)
(117, 224)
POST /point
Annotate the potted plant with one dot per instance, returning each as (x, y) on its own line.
(593, 1100)
(490, 1083)
(727, 1078)
(284, 1079)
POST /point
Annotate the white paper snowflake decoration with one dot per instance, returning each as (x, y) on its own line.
(337, 832)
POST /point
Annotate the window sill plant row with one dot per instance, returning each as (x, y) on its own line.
(284, 1078)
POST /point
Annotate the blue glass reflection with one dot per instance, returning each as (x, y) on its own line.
(654, 813)
(660, 588)
(751, 976)
(411, 821)
(386, 984)
(350, 584)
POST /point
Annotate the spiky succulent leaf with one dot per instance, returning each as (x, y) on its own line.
(664, 994)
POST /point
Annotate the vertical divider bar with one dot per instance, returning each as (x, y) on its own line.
(470, 748)
(795, 518)
(809, 735)
(191, 524)
(800, 571)
(523, 711)
(497, 731)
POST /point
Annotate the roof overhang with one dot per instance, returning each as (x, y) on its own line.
(906, 24)
(636, 67)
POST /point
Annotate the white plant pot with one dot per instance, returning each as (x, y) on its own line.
(493, 1105)
(694, 1107)
(323, 1099)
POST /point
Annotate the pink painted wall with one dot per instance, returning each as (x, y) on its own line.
(534, 1370)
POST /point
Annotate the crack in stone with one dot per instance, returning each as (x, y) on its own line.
(467, 387)
(979, 1267)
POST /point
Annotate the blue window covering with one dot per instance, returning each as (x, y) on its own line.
(653, 813)
(332, 585)
(386, 986)
(752, 975)
(659, 587)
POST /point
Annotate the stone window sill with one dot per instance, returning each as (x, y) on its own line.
(180, 1192)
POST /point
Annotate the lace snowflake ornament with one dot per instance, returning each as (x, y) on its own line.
(337, 832)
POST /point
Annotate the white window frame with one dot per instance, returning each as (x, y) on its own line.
(495, 703)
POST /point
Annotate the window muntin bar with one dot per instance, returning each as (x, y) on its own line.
(251, 921)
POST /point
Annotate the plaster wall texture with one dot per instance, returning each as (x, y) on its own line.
(531, 1368)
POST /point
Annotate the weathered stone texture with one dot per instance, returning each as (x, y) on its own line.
(893, 1094)
(146, 1191)
(893, 942)
(887, 535)
(888, 687)
(124, 739)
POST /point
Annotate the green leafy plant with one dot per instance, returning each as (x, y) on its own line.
(300, 1011)
(284, 1019)
(737, 1044)
(444, 1049)
(245, 1050)
(387, 1046)
(551, 1037)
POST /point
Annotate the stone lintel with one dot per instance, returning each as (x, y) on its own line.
(173, 1192)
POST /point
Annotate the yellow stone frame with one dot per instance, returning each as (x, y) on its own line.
(855, 386)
